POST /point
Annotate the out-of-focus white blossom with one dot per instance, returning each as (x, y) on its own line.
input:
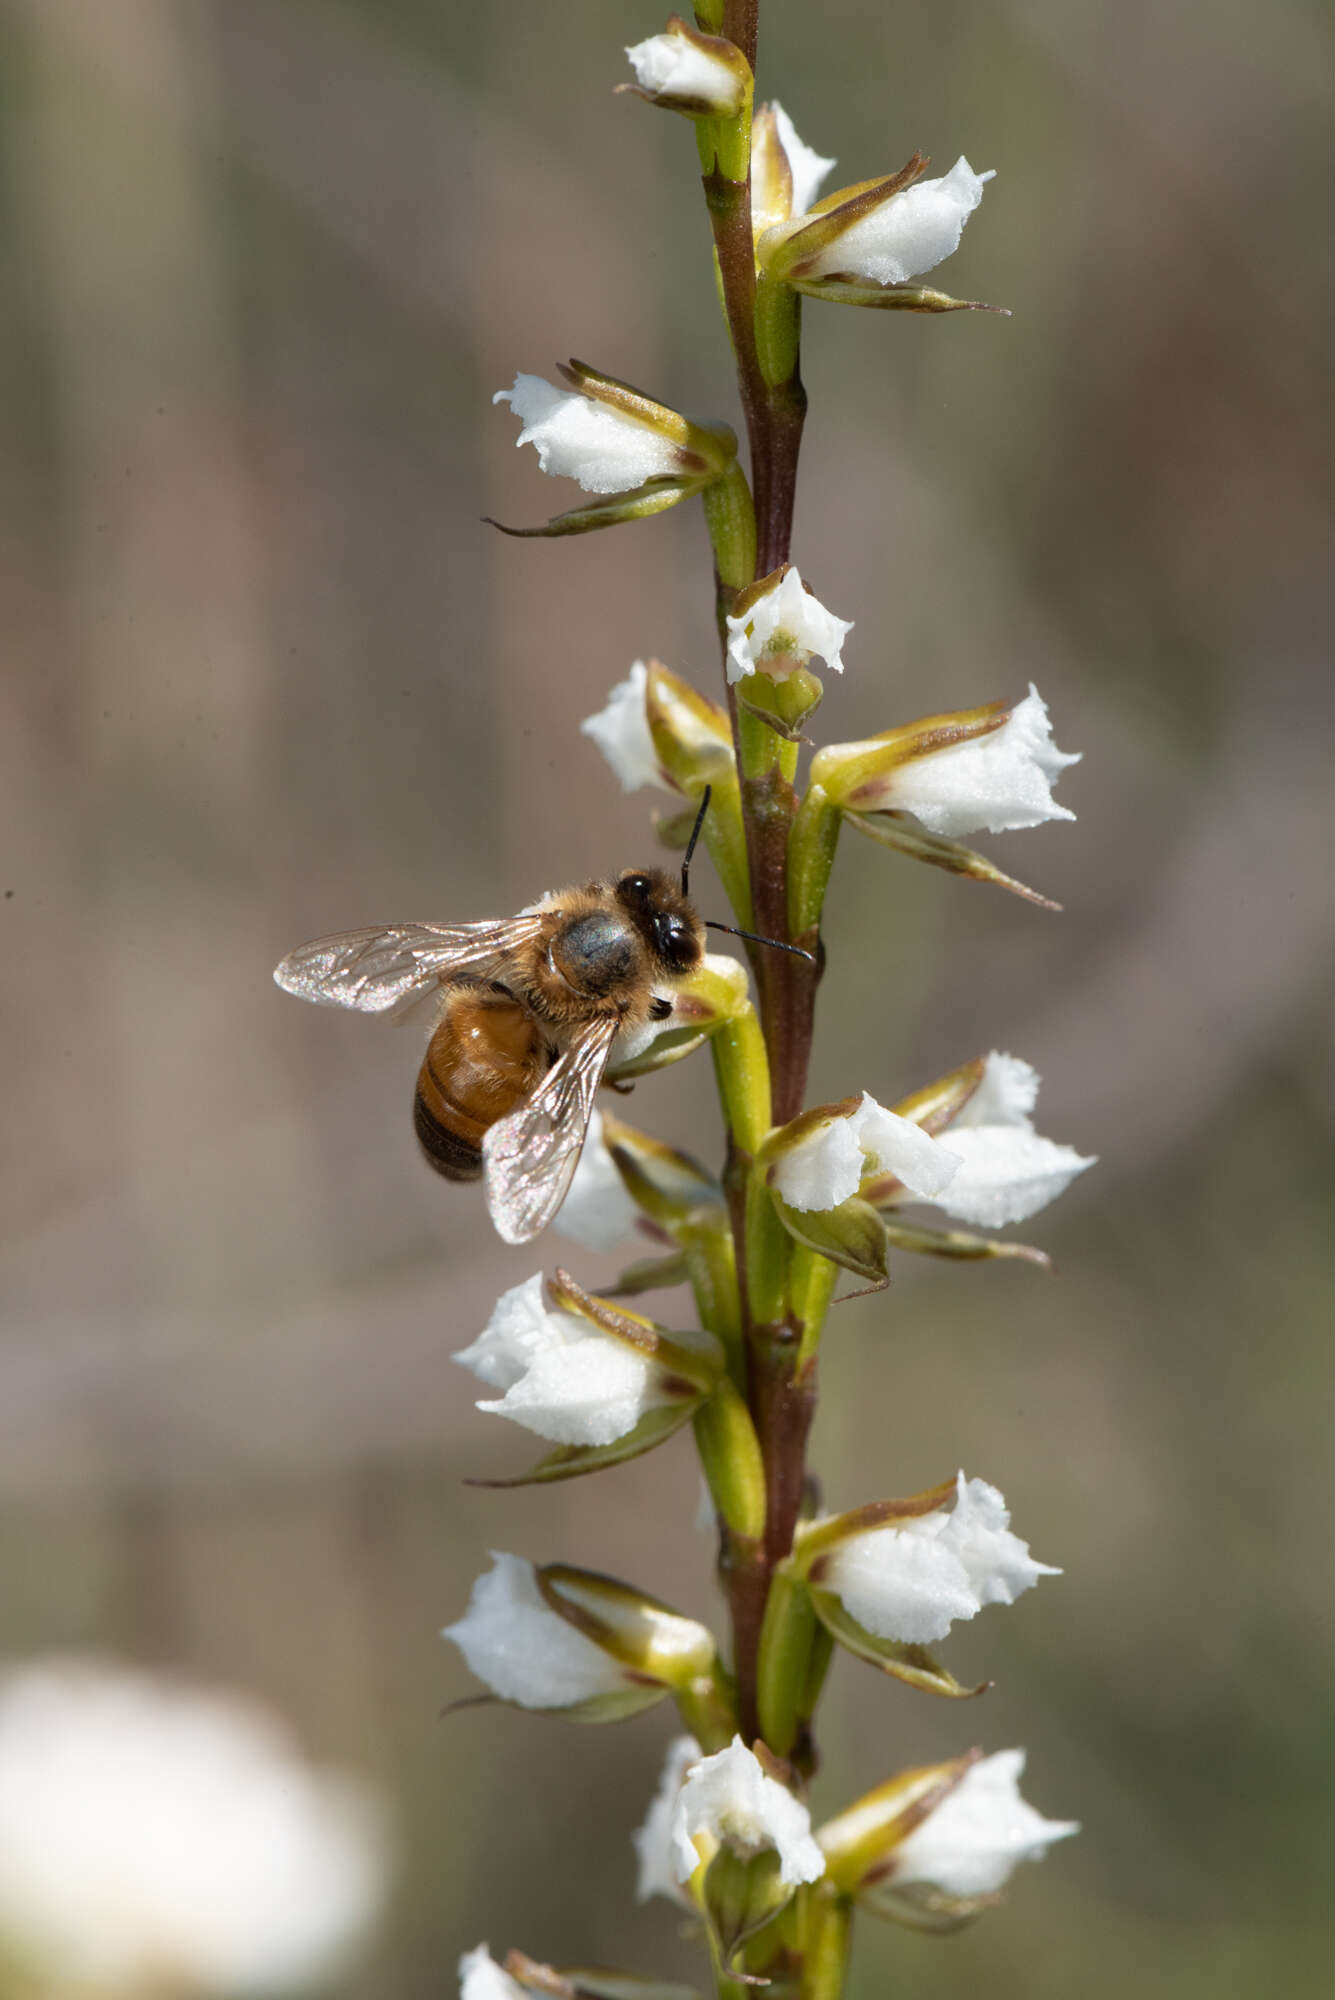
(1007, 1170)
(152, 1831)
(597, 1213)
(689, 71)
(825, 1166)
(480, 1978)
(782, 628)
(970, 1844)
(657, 1874)
(729, 1799)
(996, 783)
(577, 437)
(911, 1582)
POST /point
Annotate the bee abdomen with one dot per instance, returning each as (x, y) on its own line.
(485, 1057)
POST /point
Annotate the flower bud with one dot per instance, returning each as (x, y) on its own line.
(777, 624)
(702, 76)
(575, 1643)
(934, 1846)
(617, 443)
(583, 1372)
(1007, 1171)
(861, 245)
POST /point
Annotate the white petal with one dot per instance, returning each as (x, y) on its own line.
(621, 731)
(730, 1797)
(590, 1392)
(1008, 1172)
(597, 1213)
(784, 628)
(822, 1169)
(653, 1840)
(913, 1582)
(979, 1833)
(581, 439)
(516, 1331)
(827, 1165)
(807, 167)
(672, 66)
(996, 783)
(895, 1145)
(910, 233)
(480, 1978)
(145, 1824)
(522, 1649)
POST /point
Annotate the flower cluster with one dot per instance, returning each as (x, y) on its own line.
(805, 1193)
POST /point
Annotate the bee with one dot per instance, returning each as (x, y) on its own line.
(528, 1008)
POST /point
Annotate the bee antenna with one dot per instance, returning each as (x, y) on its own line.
(775, 944)
(695, 835)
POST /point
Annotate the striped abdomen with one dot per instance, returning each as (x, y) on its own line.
(485, 1057)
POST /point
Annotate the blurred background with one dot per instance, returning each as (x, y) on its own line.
(268, 675)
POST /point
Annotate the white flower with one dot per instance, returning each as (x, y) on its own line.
(150, 1830)
(826, 1166)
(806, 166)
(561, 1375)
(1007, 1170)
(908, 234)
(729, 1798)
(782, 629)
(621, 731)
(657, 1875)
(597, 1213)
(480, 1978)
(969, 1845)
(998, 782)
(606, 450)
(522, 1649)
(912, 1582)
(682, 68)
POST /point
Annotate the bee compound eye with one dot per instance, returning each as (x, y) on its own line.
(637, 886)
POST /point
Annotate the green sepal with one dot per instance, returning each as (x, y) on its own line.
(859, 1843)
(784, 704)
(789, 250)
(572, 1461)
(912, 1664)
(812, 844)
(783, 1673)
(890, 298)
(907, 835)
(960, 1243)
(651, 1274)
(851, 1235)
(682, 1039)
(664, 1182)
(939, 1103)
(637, 503)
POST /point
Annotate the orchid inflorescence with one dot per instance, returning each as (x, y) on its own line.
(807, 1193)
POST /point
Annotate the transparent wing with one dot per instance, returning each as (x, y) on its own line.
(378, 971)
(528, 1158)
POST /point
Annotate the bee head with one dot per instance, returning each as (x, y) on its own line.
(663, 917)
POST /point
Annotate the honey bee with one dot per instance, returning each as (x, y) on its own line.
(528, 1008)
